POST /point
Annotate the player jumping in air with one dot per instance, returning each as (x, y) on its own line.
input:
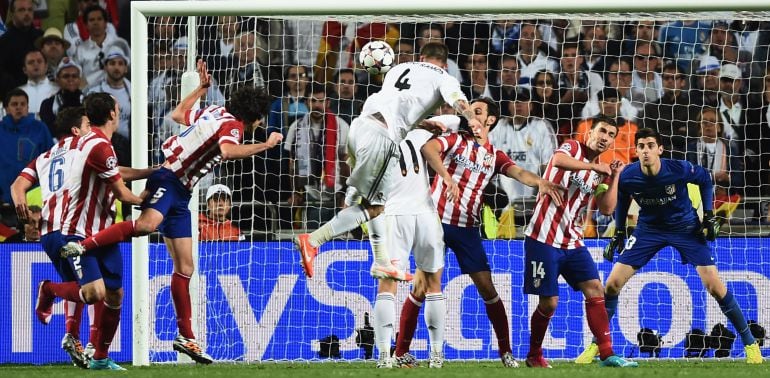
(667, 218)
(409, 93)
(464, 165)
(214, 134)
(554, 239)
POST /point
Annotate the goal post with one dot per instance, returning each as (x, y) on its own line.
(251, 301)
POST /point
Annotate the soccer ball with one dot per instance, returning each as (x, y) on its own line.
(376, 57)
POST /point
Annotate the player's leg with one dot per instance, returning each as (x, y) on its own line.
(384, 265)
(111, 268)
(541, 278)
(70, 342)
(429, 259)
(384, 320)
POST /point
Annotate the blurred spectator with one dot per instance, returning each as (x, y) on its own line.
(115, 83)
(641, 31)
(77, 32)
(18, 39)
(505, 35)
(31, 228)
(757, 150)
(624, 148)
(404, 51)
(57, 13)
(242, 64)
(215, 223)
(504, 87)
(54, 48)
(164, 32)
(531, 58)
(38, 87)
(618, 78)
(594, 42)
(316, 145)
(434, 33)
(646, 83)
(527, 139)
(475, 83)
(721, 157)
(22, 138)
(545, 95)
(346, 104)
(577, 84)
(683, 40)
(89, 54)
(670, 115)
(291, 106)
(69, 94)
(706, 81)
(731, 104)
(723, 45)
(555, 32)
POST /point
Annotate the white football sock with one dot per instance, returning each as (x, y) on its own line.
(347, 219)
(377, 234)
(435, 319)
(384, 317)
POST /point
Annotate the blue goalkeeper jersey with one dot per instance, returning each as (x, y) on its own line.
(663, 199)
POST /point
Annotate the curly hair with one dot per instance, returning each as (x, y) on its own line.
(248, 104)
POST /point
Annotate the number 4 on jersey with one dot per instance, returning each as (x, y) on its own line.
(403, 82)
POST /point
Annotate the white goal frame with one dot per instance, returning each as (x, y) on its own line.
(384, 10)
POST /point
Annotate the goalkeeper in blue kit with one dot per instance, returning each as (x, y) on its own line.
(667, 218)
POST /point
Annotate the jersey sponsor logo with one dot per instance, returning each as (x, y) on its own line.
(235, 133)
(660, 201)
(670, 189)
(518, 156)
(471, 165)
(583, 186)
(111, 162)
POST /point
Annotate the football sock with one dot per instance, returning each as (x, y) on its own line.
(377, 229)
(435, 319)
(95, 315)
(596, 313)
(69, 290)
(611, 304)
(114, 234)
(74, 313)
(384, 317)
(499, 320)
(347, 219)
(107, 326)
(180, 293)
(730, 308)
(409, 314)
(538, 325)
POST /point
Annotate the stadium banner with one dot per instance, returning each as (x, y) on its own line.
(259, 305)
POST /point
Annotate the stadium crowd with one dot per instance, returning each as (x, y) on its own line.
(704, 85)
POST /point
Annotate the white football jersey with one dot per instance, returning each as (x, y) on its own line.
(410, 192)
(410, 92)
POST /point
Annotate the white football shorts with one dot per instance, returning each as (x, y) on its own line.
(371, 153)
(420, 234)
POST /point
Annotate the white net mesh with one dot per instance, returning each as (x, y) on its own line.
(550, 74)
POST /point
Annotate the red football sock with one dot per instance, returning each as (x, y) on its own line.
(538, 325)
(496, 315)
(69, 290)
(116, 233)
(107, 328)
(180, 293)
(74, 313)
(600, 325)
(409, 314)
(95, 315)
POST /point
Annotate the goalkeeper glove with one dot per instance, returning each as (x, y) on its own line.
(618, 242)
(710, 225)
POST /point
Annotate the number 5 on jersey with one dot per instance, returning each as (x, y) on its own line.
(158, 194)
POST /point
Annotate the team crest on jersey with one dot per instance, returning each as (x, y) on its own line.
(536, 282)
(235, 133)
(566, 147)
(670, 189)
(487, 162)
(111, 162)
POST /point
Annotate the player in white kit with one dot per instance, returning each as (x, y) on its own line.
(410, 92)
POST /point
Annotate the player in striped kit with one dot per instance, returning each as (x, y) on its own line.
(465, 162)
(554, 239)
(214, 134)
(80, 180)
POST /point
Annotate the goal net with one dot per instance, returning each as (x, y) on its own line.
(703, 84)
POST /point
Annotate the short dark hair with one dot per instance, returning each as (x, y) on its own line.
(248, 104)
(98, 106)
(318, 88)
(606, 93)
(94, 8)
(435, 50)
(15, 92)
(601, 118)
(648, 133)
(68, 118)
(342, 71)
(492, 109)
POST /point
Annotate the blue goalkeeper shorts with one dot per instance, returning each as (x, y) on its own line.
(644, 244)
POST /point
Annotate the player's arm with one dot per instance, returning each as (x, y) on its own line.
(125, 195)
(187, 103)
(607, 192)
(701, 177)
(544, 187)
(131, 174)
(431, 151)
(232, 151)
(19, 190)
(462, 107)
(563, 161)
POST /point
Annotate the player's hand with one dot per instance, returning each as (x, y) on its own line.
(452, 192)
(710, 226)
(618, 242)
(274, 139)
(433, 126)
(555, 191)
(617, 166)
(22, 212)
(203, 74)
(601, 168)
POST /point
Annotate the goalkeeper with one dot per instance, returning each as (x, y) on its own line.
(667, 218)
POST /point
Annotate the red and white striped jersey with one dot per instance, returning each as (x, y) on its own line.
(472, 166)
(192, 153)
(75, 177)
(562, 226)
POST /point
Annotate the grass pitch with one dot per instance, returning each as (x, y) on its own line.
(647, 368)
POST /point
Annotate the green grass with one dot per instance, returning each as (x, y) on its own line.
(660, 369)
